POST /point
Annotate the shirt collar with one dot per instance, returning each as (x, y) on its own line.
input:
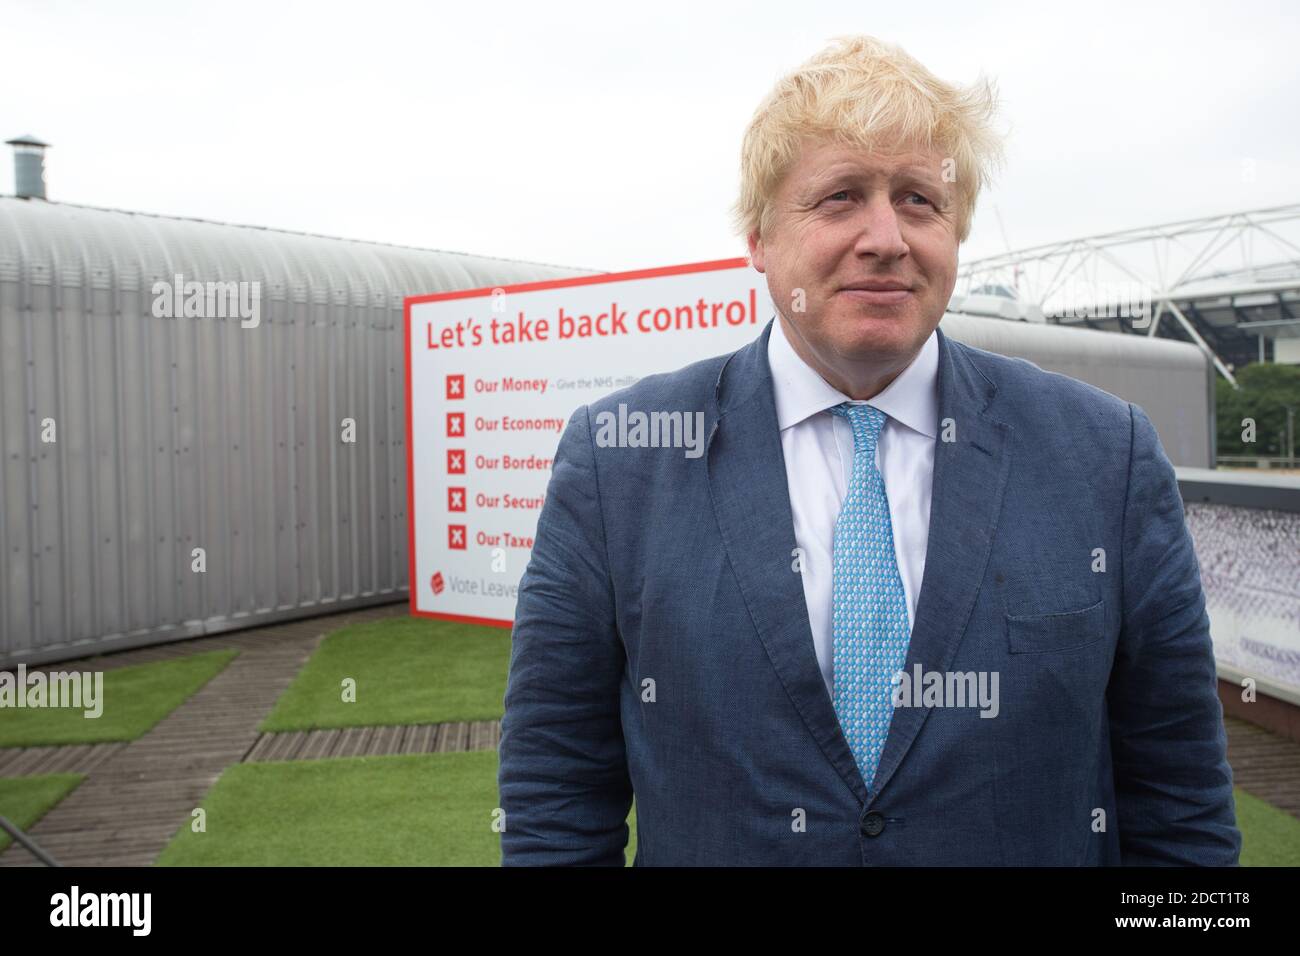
(912, 398)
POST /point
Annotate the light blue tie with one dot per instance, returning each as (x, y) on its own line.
(869, 621)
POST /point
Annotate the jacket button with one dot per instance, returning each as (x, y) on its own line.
(873, 824)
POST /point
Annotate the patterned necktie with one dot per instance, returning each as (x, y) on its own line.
(870, 625)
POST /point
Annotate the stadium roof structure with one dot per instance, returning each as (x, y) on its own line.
(1228, 283)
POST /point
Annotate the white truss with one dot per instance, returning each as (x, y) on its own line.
(1239, 260)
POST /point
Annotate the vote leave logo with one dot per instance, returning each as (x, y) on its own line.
(437, 582)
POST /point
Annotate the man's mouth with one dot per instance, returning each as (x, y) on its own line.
(877, 293)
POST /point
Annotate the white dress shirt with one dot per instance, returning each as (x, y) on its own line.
(818, 449)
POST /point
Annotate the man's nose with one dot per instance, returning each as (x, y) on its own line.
(878, 232)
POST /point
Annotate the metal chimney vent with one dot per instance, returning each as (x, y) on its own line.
(29, 167)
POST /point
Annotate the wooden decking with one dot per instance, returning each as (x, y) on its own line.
(1264, 765)
(295, 745)
(33, 761)
(378, 741)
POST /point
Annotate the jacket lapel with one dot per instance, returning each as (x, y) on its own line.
(970, 478)
(751, 499)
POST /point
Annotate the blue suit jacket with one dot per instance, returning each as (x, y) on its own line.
(1108, 747)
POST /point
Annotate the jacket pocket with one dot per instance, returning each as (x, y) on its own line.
(1063, 631)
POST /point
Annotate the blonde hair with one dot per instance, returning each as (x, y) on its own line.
(862, 92)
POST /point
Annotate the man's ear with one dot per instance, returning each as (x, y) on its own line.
(755, 251)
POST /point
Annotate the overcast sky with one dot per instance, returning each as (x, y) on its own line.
(607, 135)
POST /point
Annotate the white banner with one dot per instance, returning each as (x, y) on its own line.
(493, 376)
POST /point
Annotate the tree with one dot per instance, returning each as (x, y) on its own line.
(1266, 391)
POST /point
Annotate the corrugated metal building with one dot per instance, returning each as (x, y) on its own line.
(199, 433)
(130, 439)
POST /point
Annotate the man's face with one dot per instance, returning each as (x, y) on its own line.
(845, 217)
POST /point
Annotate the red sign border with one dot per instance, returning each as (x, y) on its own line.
(713, 265)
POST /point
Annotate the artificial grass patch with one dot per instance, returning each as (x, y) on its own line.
(135, 698)
(24, 800)
(1269, 836)
(406, 671)
(408, 810)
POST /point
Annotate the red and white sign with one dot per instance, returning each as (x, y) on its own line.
(492, 377)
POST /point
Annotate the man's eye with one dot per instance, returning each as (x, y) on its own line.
(922, 198)
(842, 192)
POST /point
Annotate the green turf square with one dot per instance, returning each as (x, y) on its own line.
(409, 810)
(404, 671)
(1269, 836)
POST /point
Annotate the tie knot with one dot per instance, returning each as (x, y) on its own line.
(866, 421)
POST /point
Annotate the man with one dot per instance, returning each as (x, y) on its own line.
(917, 603)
